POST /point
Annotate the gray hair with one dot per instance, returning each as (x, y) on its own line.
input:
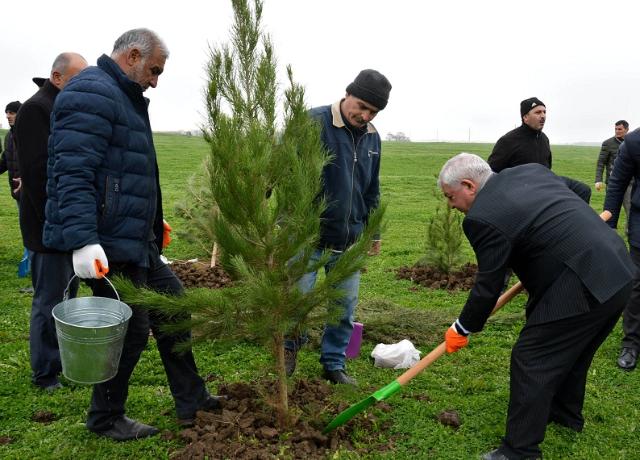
(464, 166)
(144, 40)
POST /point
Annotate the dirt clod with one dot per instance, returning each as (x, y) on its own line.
(43, 416)
(449, 418)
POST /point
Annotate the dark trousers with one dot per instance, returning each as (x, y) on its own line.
(549, 365)
(631, 315)
(50, 274)
(187, 387)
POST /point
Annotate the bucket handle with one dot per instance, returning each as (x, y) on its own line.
(66, 291)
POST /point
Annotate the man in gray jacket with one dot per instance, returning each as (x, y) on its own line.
(607, 157)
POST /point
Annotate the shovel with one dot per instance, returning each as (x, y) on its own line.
(385, 392)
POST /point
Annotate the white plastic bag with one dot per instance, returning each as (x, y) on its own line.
(401, 355)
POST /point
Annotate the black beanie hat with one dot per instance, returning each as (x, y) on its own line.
(528, 104)
(13, 107)
(372, 87)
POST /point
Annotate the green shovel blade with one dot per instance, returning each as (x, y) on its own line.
(346, 415)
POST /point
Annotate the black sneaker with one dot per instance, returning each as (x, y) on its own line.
(290, 361)
(627, 359)
(339, 376)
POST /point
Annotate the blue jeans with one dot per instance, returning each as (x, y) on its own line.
(336, 336)
(50, 274)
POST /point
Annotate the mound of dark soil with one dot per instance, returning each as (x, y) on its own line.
(435, 279)
(246, 426)
(199, 274)
(449, 418)
(43, 416)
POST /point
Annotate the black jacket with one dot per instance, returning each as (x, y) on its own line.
(527, 219)
(607, 156)
(9, 163)
(31, 135)
(520, 146)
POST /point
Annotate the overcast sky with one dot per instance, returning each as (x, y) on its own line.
(458, 68)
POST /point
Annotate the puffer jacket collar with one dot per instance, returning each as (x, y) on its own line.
(130, 87)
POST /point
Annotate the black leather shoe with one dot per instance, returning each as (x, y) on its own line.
(290, 360)
(210, 404)
(497, 455)
(494, 455)
(50, 389)
(627, 359)
(125, 429)
(338, 376)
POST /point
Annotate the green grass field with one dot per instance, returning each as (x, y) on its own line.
(475, 381)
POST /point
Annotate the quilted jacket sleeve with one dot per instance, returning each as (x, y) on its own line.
(82, 124)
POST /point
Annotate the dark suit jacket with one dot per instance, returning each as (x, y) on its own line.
(31, 133)
(527, 218)
(625, 170)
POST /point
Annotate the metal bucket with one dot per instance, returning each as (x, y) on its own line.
(91, 333)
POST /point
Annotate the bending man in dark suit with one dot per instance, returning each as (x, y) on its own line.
(575, 268)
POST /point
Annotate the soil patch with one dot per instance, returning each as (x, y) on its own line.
(43, 416)
(435, 279)
(5, 440)
(246, 428)
(199, 274)
(450, 418)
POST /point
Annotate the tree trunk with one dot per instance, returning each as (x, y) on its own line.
(283, 398)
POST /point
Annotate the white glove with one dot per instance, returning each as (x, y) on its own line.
(90, 261)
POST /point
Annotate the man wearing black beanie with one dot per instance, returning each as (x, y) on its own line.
(528, 144)
(525, 144)
(351, 191)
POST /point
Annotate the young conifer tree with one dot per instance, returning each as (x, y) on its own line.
(444, 238)
(265, 182)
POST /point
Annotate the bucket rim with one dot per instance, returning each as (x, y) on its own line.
(127, 312)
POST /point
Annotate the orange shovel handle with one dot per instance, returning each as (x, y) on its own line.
(442, 348)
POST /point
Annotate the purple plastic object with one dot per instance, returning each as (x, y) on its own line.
(353, 348)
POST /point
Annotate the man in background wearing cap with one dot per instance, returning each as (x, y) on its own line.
(9, 163)
(351, 189)
(51, 270)
(528, 144)
(525, 144)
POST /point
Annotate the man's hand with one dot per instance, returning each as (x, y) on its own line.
(375, 248)
(605, 215)
(599, 186)
(18, 182)
(90, 261)
(454, 340)
(166, 234)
